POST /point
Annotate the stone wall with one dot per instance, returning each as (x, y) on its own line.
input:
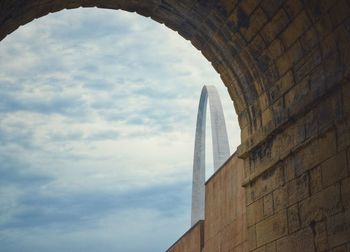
(297, 171)
(286, 65)
(191, 241)
(224, 228)
(225, 212)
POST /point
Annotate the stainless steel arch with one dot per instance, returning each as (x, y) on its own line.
(221, 149)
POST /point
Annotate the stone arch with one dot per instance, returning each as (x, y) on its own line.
(286, 65)
(221, 148)
(207, 24)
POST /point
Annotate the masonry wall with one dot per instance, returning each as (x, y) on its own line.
(297, 163)
(191, 241)
(225, 212)
(224, 228)
(298, 196)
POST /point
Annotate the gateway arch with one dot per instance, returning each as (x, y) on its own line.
(221, 149)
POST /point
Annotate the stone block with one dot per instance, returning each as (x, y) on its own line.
(339, 12)
(330, 110)
(345, 190)
(257, 45)
(315, 152)
(328, 46)
(275, 26)
(276, 48)
(343, 43)
(227, 6)
(73, 4)
(289, 171)
(346, 97)
(264, 60)
(271, 6)
(320, 205)
(301, 241)
(339, 249)
(261, 249)
(268, 205)
(256, 21)
(293, 218)
(334, 169)
(295, 29)
(191, 241)
(249, 6)
(298, 129)
(289, 58)
(311, 123)
(225, 208)
(267, 116)
(281, 86)
(293, 7)
(263, 101)
(315, 180)
(306, 158)
(324, 26)
(307, 64)
(271, 247)
(251, 238)
(318, 81)
(240, 248)
(338, 227)
(321, 237)
(297, 95)
(255, 212)
(298, 189)
(280, 198)
(281, 114)
(271, 228)
(309, 39)
(267, 183)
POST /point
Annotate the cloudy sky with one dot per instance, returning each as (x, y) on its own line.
(97, 120)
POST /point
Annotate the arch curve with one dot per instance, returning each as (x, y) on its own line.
(209, 25)
(221, 148)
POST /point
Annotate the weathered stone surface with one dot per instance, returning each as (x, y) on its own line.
(251, 238)
(334, 169)
(321, 238)
(271, 247)
(255, 212)
(268, 205)
(320, 205)
(291, 192)
(345, 189)
(315, 180)
(271, 228)
(266, 184)
(338, 227)
(295, 29)
(277, 24)
(293, 218)
(340, 249)
(225, 211)
(191, 241)
(299, 241)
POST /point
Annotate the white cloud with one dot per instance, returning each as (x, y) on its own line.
(100, 101)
